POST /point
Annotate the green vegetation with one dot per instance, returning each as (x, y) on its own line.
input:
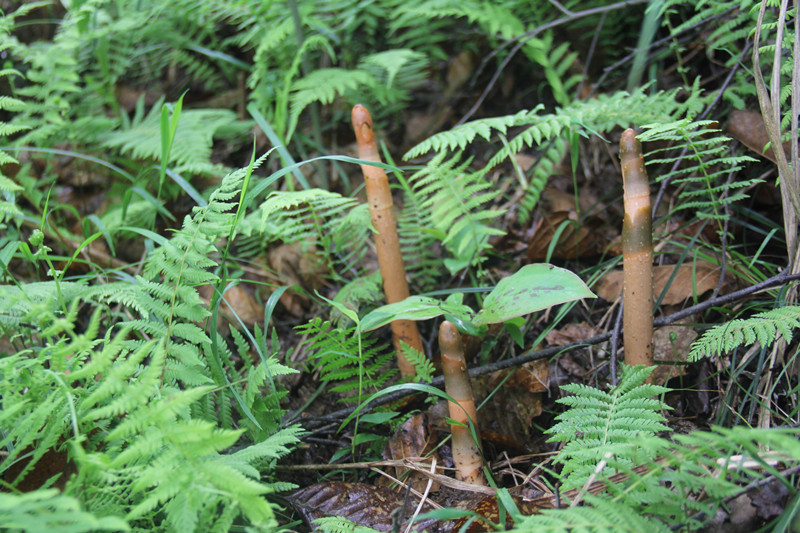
(190, 310)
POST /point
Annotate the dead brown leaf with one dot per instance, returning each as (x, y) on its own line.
(490, 511)
(576, 238)
(295, 264)
(691, 278)
(361, 503)
(507, 416)
(570, 333)
(412, 439)
(238, 302)
(748, 128)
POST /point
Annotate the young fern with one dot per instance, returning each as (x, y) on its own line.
(707, 164)
(334, 223)
(684, 480)
(599, 114)
(455, 199)
(339, 357)
(49, 510)
(193, 140)
(600, 423)
(8, 104)
(763, 328)
(152, 399)
(547, 131)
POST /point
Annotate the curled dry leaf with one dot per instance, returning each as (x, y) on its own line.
(489, 509)
(577, 238)
(414, 438)
(700, 276)
(361, 503)
(296, 264)
(507, 416)
(570, 333)
(238, 302)
(748, 128)
(574, 241)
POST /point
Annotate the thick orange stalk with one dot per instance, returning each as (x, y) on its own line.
(637, 254)
(390, 260)
(466, 452)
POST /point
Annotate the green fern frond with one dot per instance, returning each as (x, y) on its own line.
(323, 86)
(496, 19)
(400, 68)
(355, 293)
(335, 354)
(601, 422)
(544, 167)
(49, 510)
(38, 302)
(597, 115)
(191, 149)
(459, 137)
(339, 524)
(174, 461)
(421, 254)
(8, 189)
(338, 226)
(706, 165)
(424, 366)
(762, 328)
(396, 72)
(456, 200)
(599, 515)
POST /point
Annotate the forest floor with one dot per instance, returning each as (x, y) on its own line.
(706, 273)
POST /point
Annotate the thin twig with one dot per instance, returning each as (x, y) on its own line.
(615, 342)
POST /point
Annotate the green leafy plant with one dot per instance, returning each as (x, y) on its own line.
(550, 131)
(53, 511)
(602, 424)
(340, 356)
(163, 399)
(763, 328)
(708, 162)
(531, 288)
(658, 481)
(455, 202)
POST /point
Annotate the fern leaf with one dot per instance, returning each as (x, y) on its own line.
(601, 423)
(456, 200)
(339, 357)
(191, 148)
(459, 137)
(705, 166)
(48, 510)
(763, 328)
(323, 86)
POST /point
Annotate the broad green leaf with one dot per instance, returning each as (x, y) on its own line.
(414, 308)
(531, 288)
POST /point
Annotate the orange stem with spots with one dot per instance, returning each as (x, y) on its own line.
(637, 254)
(387, 243)
(466, 451)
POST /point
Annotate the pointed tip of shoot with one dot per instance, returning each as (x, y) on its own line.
(448, 334)
(362, 124)
(634, 175)
(628, 140)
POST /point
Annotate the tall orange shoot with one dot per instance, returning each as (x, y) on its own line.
(637, 254)
(387, 243)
